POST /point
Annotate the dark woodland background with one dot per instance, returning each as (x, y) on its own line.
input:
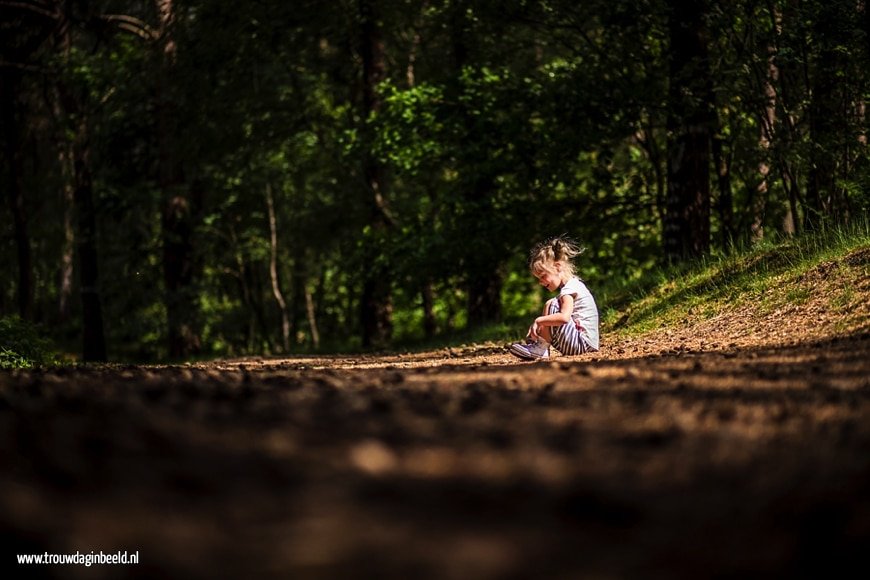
(189, 178)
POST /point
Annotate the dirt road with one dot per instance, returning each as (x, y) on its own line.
(671, 458)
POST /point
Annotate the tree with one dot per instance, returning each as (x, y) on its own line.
(10, 123)
(829, 110)
(25, 30)
(375, 302)
(686, 228)
(181, 207)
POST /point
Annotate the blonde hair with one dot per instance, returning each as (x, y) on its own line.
(546, 254)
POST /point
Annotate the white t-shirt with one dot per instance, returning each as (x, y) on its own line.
(585, 314)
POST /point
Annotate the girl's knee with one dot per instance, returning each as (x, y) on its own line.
(551, 306)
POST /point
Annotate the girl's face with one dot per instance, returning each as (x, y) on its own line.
(550, 278)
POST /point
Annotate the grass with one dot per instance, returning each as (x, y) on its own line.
(768, 276)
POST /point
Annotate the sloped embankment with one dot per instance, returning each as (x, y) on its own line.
(779, 306)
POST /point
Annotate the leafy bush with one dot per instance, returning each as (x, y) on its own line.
(21, 347)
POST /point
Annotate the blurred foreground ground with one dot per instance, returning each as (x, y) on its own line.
(679, 460)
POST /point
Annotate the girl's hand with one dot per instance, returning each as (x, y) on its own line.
(533, 330)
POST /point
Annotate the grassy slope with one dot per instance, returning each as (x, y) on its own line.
(817, 280)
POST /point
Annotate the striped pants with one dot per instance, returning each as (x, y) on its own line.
(568, 339)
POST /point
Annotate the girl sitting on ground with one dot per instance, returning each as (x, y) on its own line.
(569, 322)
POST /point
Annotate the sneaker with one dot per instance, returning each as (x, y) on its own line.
(530, 350)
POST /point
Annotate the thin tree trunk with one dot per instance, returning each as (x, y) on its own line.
(410, 74)
(65, 158)
(178, 270)
(376, 299)
(299, 281)
(725, 203)
(864, 19)
(758, 200)
(766, 138)
(430, 325)
(12, 146)
(483, 280)
(646, 138)
(312, 318)
(94, 342)
(484, 299)
(758, 204)
(74, 157)
(686, 229)
(258, 294)
(273, 270)
(245, 292)
(791, 187)
(67, 269)
(826, 115)
(181, 207)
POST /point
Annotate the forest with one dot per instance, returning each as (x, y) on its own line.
(191, 178)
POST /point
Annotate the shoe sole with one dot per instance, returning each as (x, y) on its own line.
(524, 355)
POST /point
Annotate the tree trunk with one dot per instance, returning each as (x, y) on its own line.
(312, 318)
(758, 198)
(686, 229)
(646, 137)
(180, 207)
(258, 294)
(484, 299)
(67, 269)
(376, 300)
(94, 342)
(430, 325)
(246, 276)
(725, 204)
(65, 161)
(777, 129)
(12, 146)
(481, 261)
(826, 114)
(299, 279)
(65, 156)
(765, 138)
(74, 155)
(482, 276)
(376, 305)
(273, 270)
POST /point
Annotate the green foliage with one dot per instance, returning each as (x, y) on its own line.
(22, 347)
(409, 133)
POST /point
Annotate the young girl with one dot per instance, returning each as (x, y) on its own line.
(569, 322)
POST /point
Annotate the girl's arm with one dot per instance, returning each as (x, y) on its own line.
(566, 307)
